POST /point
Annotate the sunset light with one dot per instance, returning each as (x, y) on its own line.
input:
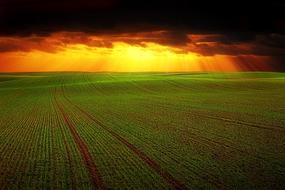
(142, 95)
(124, 53)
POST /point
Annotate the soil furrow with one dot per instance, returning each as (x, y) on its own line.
(150, 162)
(89, 162)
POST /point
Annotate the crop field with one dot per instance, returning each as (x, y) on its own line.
(142, 131)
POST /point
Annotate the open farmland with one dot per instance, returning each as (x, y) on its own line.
(142, 131)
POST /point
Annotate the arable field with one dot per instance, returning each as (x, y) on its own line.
(142, 131)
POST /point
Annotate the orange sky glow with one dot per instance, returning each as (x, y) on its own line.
(125, 53)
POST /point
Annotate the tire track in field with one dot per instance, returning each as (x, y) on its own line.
(249, 124)
(205, 175)
(270, 127)
(241, 123)
(275, 128)
(223, 144)
(150, 162)
(67, 149)
(83, 149)
(224, 119)
(205, 139)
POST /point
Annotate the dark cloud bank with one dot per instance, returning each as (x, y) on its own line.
(244, 18)
(260, 25)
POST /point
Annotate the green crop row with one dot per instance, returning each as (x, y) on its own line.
(142, 130)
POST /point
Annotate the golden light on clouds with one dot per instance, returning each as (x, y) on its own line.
(78, 52)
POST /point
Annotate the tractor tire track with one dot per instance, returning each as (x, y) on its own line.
(275, 128)
(67, 149)
(205, 175)
(83, 149)
(150, 162)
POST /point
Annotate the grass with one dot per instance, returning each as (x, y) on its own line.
(142, 131)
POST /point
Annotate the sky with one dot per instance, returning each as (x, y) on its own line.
(141, 35)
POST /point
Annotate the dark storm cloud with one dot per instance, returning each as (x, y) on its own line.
(58, 41)
(25, 17)
(12, 44)
(261, 44)
(230, 28)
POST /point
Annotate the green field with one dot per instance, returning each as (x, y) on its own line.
(142, 131)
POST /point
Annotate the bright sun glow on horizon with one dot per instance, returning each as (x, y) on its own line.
(139, 52)
(122, 57)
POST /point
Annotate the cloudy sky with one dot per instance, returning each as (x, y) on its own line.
(121, 35)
